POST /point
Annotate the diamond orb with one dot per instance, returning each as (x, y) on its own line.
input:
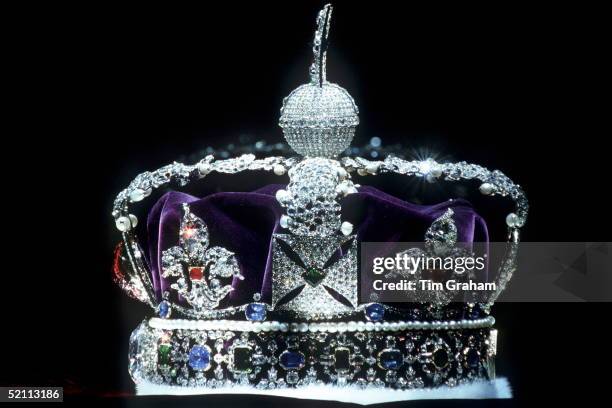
(319, 121)
(199, 357)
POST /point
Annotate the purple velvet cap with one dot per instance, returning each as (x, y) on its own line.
(244, 223)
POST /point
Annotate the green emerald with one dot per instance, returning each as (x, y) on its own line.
(163, 353)
(313, 275)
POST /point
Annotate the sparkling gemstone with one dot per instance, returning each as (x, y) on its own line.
(342, 359)
(163, 354)
(313, 276)
(292, 360)
(472, 358)
(196, 273)
(163, 310)
(255, 311)
(440, 358)
(390, 359)
(375, 312)
(242, 359)
(475, 312)
(199, 357)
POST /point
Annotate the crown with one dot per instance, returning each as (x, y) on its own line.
(258, 292)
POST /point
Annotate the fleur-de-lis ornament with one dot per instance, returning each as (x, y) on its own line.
(198, 267)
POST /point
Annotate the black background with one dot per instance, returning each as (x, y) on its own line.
(98, 94)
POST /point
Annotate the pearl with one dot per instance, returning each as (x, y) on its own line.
(283, 196)
(342, 174)
(513, 220)
(284, 327)
(342, 327)
(372, 168)
(279, 169)
(133, 220)
(487, 188)
(284, 221)
(303, 327)
(352, 326)
(362, 172)
(123, 224)
(369, 326)
(204, 168)
(346, 228)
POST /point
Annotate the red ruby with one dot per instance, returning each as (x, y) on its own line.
(117, 264)
(196, 273)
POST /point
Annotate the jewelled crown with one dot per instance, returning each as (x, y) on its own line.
(259, 291)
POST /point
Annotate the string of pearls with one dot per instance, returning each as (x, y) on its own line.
(331, 327)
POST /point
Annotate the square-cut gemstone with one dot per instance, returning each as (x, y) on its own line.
(342, 357)
(242, 359)
(163, 354)
(196, 273)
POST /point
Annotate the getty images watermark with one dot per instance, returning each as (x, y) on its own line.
(407, 272)
(476, 272)
(409, 264)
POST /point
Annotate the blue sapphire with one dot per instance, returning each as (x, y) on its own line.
(292, 360)
(375, 312)
(390, 359)
(163, 310)
(199, 357)
(472, 358)
(475, 312)
(255, 311)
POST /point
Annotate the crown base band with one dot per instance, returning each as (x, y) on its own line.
(400, 360)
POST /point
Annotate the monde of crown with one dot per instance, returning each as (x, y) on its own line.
(305, 325)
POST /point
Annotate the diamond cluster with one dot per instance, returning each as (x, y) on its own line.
(312, 197)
